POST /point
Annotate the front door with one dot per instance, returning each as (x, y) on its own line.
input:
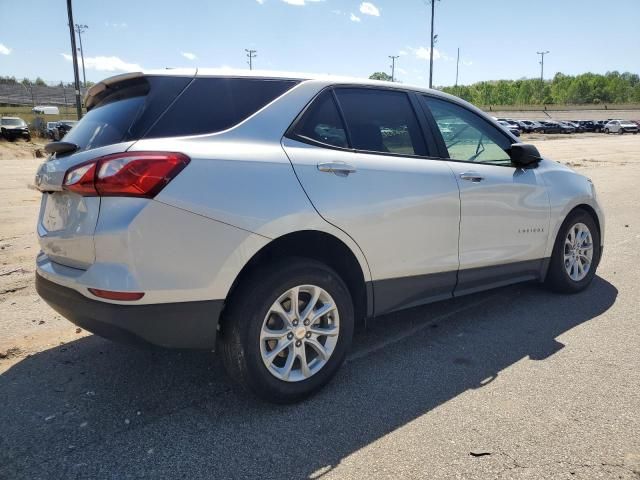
(504, 210)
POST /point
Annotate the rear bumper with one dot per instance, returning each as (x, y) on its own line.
(171, 325)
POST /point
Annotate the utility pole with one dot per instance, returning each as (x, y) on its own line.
(393, 66)
(542, 54)
(74, 57)
(251, 54)
(80, 30)
(457, 65)
(433, 14)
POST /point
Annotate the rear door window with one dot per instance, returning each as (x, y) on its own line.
(381, 121)
(212, 105)
(321, 123)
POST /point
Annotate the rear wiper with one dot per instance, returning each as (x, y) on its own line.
(60, 147)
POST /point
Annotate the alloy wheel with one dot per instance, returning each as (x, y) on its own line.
(578, 252)
(299, 333)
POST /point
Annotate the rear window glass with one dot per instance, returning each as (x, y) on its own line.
(125, 111)
(211, 105)
(322, 123)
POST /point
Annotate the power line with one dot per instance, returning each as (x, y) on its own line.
(251, 54)
(74, 57)
(393, 66)
(80, 29)
(542, 54)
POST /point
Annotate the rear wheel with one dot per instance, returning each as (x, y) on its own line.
(576, 254)
(621, 131)
(606, 130)
(287, 330)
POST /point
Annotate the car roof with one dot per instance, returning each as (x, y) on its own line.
(270, 74)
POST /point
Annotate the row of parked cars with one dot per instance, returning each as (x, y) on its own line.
(14, 128)
(569, 126)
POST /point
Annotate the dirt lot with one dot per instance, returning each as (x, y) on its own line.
(514, 383)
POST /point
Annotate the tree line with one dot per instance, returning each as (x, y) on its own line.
(587, 88)
(38, 82)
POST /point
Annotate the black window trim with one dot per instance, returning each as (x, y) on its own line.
(427, 135)
(444, 152)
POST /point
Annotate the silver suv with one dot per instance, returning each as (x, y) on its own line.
(268, 214)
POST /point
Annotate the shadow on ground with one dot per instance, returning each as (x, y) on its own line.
(92, 408)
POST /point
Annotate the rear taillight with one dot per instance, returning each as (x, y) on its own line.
(129, 174)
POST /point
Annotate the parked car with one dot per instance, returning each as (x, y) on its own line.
(621, 126)
(510, 128)
(51, 131)
(525, 126)
(12, 128)
(550, 127)
(511, 122)
(253, 227)
(587, 125)
(64, 126)
(599, 125)
(571, 127)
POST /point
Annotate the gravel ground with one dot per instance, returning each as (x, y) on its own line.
(508, 384)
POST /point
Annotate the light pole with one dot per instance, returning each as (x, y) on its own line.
(251, 54)
(433, 39)
(457, 65)
(542, 54)
(74, 58)
(80, 30)
(393, 66)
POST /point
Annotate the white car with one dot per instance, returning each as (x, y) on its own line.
(621, 126)
(267, 214)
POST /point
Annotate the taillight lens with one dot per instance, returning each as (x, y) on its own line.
(129, 174)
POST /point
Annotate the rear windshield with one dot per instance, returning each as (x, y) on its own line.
(163, 106)
(125, 111)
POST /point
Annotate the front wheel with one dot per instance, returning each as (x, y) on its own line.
(576, 254)
(287, 330)
(606, 130)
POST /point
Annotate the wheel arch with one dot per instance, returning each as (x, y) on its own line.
(320, 246)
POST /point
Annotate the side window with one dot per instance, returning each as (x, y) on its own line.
(215, 104)
(381, 121)
(467, 136)
(322, 123)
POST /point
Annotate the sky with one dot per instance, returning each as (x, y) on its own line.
(498, 39)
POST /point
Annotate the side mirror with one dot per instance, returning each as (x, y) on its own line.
(524, 154)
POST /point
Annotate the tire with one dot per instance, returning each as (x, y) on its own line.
(245, 353)
(559, 278)
(606, 130)
(620, 132)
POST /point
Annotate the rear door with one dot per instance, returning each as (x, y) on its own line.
(505, 209)
(363, 160)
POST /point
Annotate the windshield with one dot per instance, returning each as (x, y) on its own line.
(13, 122)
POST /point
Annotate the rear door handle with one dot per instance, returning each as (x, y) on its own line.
(341, 169)
(472, 177)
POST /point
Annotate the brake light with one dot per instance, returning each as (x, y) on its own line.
(129, 174)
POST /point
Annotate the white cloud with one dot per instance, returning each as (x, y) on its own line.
(301, 3)
(336, 12)
(106, 64)
(422, 53)
(402, 53)
(369, 8)
(261, 2)
(467, 63)
(189, 55)
(4, 50)
(354, 18)
(116, 25)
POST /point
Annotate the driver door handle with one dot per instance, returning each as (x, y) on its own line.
(341, 169)
(474, 177)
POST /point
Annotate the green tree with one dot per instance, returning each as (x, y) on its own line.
(380, 76)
